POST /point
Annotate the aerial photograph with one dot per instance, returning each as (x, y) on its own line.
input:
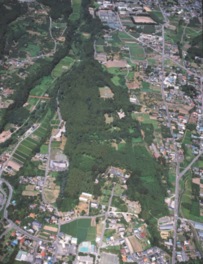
(101, 131)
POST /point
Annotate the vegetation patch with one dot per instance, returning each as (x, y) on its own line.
(81, 229)
(76, 6)
(63, 66)
(136, 51)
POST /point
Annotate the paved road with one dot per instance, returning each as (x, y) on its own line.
(50, 33)
(176, 210)
(47, 170)
(190, 165)
(104, 226)
(10, 188)
(11, 223)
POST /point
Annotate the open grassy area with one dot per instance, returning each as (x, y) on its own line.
(151, 61)
(62, 67)
(32, 49)
(81, 229)
(100, 48)
(116, 80)
(44, 149)
(187, 137)
(76, 4)
(145, 118)
(116, 42)
(136, 51)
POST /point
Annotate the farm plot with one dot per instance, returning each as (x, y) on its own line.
(136, 51)
(81, 229)
(26, 149)
(24, 152)
(43, 129)
(41, 88)
(124, 36)
(62, 67)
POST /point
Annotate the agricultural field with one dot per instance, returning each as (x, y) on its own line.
(189, 206)
(76, 5)
(44, 127)
(145, 118)
(42, 87)
(136, 51)
(118, 75)
(62, 66)
(27, 147)
(187, 137)
(37, 94)
(25, 150)
(81, 229)
(116, 41)
(124, 36)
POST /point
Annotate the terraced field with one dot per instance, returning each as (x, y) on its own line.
(27, 147)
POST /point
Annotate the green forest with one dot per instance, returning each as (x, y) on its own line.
(89, 136)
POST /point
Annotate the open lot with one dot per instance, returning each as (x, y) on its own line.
(108, 258)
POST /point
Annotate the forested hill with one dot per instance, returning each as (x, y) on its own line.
(9, 11)
(14, 30)
(89, 144)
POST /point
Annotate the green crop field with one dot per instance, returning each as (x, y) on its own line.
(24, 149)
(76, 4)
(116, 42)
(189, 207)
(81, 229)
(45, 125)
(17, 160)
(124, 36)
(19, 157)
(136, 51)
(41, 88)
(116, 71)
(22, 154)
(62, 67)
(30, 144)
